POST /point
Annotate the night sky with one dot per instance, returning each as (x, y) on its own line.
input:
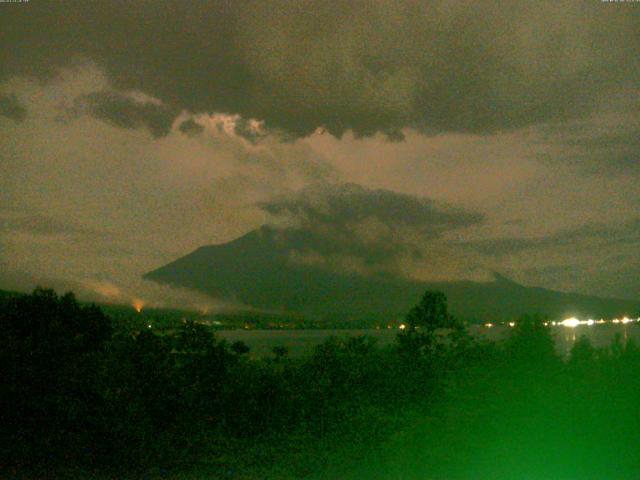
(435, 139)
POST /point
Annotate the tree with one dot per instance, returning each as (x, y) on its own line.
(194, 338)
(280, 351)
(53, 326)
(240, 348)
(50, 348)
(431, 312)
(531, 341)
(582, 353)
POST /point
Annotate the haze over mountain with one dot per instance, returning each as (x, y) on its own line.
(257, 270)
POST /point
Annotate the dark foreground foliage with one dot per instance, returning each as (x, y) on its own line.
(80, 400)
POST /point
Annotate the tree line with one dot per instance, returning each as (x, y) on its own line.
(76, 392)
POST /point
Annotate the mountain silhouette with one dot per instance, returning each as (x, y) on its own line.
(256, 270)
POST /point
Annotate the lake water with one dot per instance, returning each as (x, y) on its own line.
(301, 342)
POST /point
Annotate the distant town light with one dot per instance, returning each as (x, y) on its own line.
(488, 325)
(572, 322)
(512, 324)
(402, 326)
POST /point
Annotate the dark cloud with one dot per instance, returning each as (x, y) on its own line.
(617, 277)
(622, 279)
(374, 226)
(610, 145)
(341, 64)
(40, 225)
(594, 233)
(614, 152)
(11, 108)
(191, 128)
(126, 112)
(325, 243)
(347, 204)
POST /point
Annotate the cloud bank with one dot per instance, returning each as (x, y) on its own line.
(347, 226)
(435, 65)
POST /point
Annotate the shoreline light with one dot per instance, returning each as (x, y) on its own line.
(572, 322)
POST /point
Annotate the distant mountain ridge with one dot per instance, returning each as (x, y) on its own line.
(255, 270)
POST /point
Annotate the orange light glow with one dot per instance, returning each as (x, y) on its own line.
(138, 305)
